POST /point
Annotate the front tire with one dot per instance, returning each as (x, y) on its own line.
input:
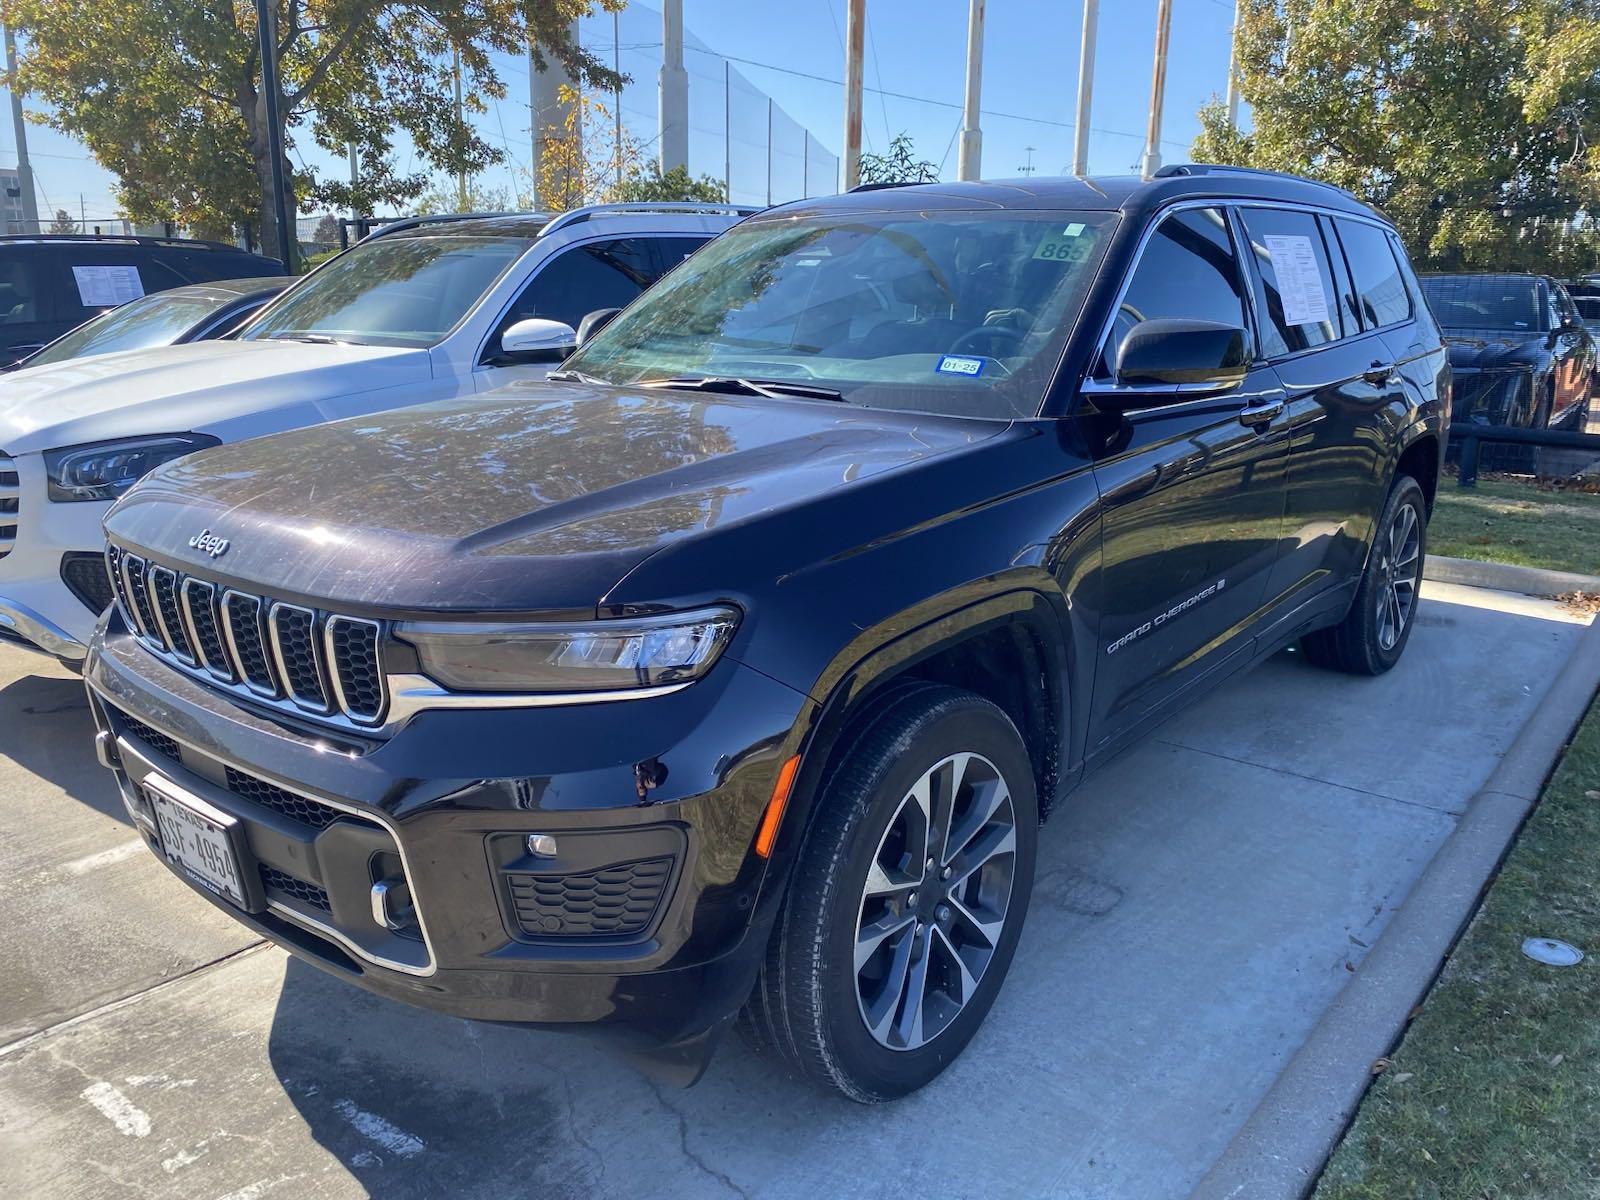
(907, 900)
(1374, 633)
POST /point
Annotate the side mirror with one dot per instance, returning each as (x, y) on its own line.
(1163, 354)
(594, 322)
(537, 340)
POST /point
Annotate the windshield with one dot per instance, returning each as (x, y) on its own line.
(397, 291)
(155, 320)
(962, 313)
(1479, 302)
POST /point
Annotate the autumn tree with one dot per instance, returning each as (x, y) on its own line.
(63, 222)
(167, 93)
(1471, 123)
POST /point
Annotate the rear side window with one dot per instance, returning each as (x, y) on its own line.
(23, 290)
(670, 251)
(1187, 271)
(1380, 291)
(1294, 280)
(579, 280)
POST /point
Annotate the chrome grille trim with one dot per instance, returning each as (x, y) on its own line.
(331, 657)
(161, 584)
(231, 601)
(10, 502)
(317, 703)
(196, 595)
(286, 637)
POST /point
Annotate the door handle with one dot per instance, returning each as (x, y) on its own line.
(1262, 412)
(1379, 373)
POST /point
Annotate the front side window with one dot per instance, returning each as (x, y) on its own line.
(1187, 271)
(1380, 291)
(1294, 283)
(581, 279)
(157, 320)
(397, 291)
(956, 312)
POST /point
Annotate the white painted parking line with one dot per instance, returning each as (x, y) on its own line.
(117, 1109)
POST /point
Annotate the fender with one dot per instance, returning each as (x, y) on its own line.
(1038, 611)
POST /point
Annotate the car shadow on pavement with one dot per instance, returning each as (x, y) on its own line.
(48, 733)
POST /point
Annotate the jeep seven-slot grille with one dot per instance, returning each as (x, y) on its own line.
(316, 663)
(10, 491)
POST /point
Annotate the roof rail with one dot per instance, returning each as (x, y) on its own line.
(124, 239)
(898, 183)
(398, 224)
(590, 211)
(1175, 169)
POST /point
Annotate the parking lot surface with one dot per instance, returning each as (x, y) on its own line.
(1198, 904)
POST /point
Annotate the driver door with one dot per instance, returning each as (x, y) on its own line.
(1192, 489)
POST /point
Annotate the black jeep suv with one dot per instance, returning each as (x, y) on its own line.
(733, 671)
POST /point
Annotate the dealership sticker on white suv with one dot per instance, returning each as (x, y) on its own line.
(955, 364)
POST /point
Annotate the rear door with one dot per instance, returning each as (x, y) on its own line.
(1192, 492)
(1336, 375)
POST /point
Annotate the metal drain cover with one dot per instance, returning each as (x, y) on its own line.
(1551, 952)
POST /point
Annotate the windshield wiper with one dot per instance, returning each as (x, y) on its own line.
(575, 377)
(318, 339)
(771, 388)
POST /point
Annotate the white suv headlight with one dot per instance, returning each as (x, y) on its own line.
(588, 656)
(104, 470)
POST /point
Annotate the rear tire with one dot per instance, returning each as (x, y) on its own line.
(1375, 631)
(881, 968)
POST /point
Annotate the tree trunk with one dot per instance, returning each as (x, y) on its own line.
(260, 151)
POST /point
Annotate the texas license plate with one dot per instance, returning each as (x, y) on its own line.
(196, 838)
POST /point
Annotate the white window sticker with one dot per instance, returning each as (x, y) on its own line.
(105, 287)
(1294, 262)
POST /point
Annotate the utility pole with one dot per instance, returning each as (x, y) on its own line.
(616, 96)
(674, 100)
(1233, 71)
(1080, 134)
(1158, 89)
(727, 130)
(854, 46)
(461, 175)
(554, 119)
(266, 33)
(30, 203)
(769, 151)
(969, 163)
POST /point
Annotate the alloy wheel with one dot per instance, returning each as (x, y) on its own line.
(935, 901)
(1399, 567)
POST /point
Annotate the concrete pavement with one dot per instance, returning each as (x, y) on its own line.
(1199, 905)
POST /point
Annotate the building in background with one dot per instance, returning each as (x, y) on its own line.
(11, 201)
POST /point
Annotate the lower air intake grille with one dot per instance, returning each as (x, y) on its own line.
(617, 901)
(10, 491)
(153, 738)
(86, 578)
(280, 800)
(283, 884)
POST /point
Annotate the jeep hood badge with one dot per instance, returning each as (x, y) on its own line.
(209, 543)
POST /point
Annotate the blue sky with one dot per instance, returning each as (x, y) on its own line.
(915, 47)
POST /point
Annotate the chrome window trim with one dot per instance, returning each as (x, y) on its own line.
(225, 670)
(317, 664)
(1225, 203)
(377, 818)
(252, 688)
(332, 659)
(170, 643)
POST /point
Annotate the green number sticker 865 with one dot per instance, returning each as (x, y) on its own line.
(1069, 246)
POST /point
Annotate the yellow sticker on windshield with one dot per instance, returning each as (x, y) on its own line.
(1069, 245)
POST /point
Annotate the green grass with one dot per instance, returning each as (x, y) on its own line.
(1517, 523)
(1495, 1090)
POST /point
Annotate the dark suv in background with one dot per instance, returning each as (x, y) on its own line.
(50, 283)
(1520, 351)
(735, 670)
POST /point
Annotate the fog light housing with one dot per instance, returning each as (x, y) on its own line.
(541, 845)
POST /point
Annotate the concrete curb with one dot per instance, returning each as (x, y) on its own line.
(1533, 581)
(1280, 1150)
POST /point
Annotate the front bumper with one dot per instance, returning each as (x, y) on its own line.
(37, 609)
(646, 923)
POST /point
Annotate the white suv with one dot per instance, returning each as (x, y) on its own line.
(422, 310)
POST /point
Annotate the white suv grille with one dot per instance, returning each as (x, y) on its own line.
(10, 494)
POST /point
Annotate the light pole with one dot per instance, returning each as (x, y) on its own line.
(969, 165)
(267, 36)
(1233, 71)
(1080, 135)
(1158, 89)
(854, 47)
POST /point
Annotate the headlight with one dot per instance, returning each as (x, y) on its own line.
(586, 657)
(104, 470)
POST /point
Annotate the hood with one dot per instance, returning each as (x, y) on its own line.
(189, 388)
(1488, 349)
(534, 497)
